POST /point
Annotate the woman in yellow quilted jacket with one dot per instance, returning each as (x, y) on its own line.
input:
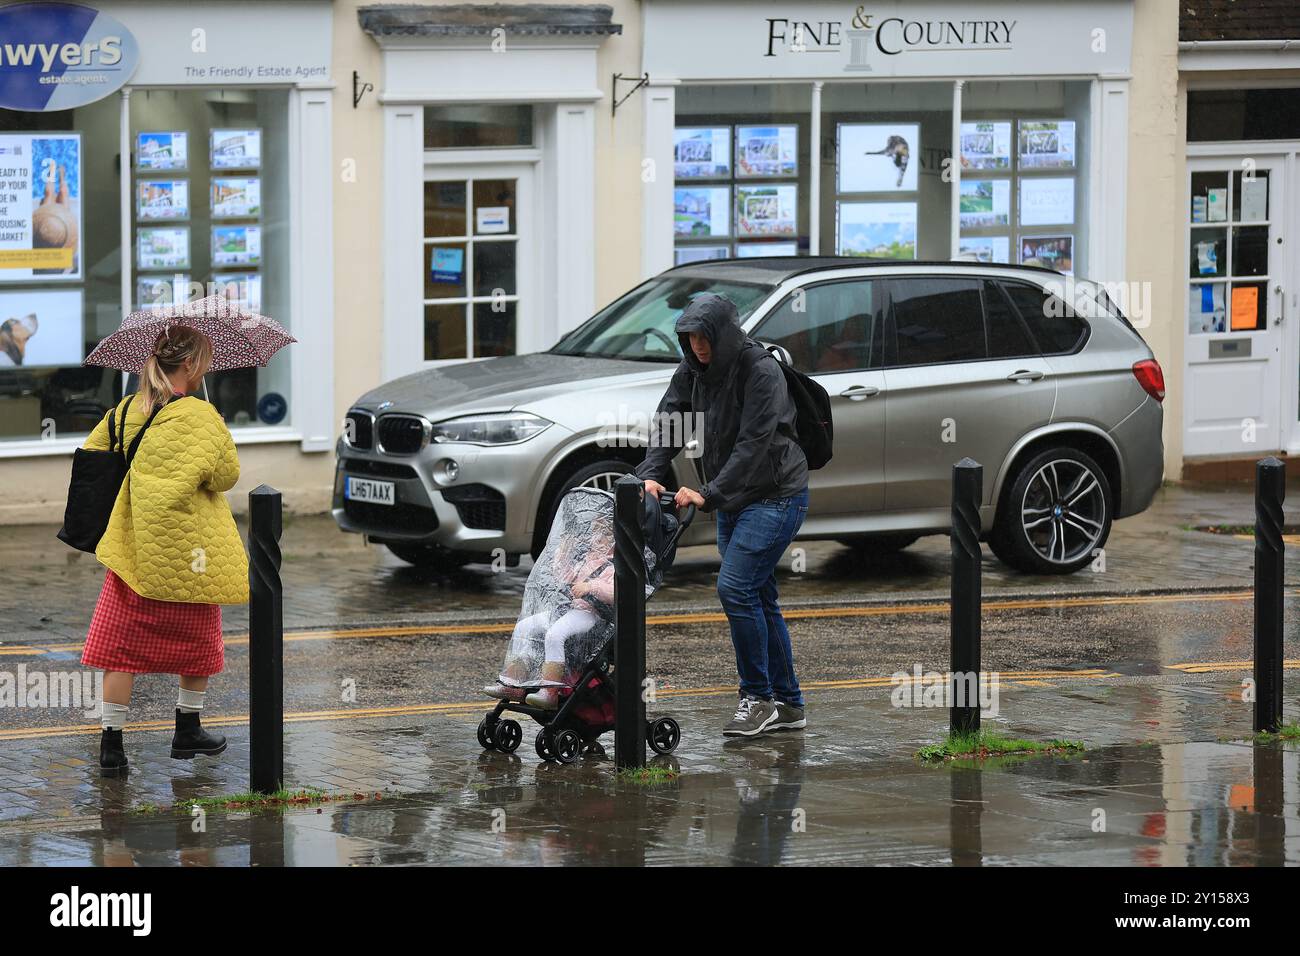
(172, 551)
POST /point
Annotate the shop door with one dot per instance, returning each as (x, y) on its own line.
(477, 260)
(1236, 271)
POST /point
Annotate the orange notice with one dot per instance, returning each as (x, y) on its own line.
(1245, 307)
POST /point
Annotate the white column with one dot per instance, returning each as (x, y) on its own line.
(403, 231)
(1108, 181)
(659, 107)
(124, 199)
(954, 168)
(573, 286)
(815, 172)
(312, 357)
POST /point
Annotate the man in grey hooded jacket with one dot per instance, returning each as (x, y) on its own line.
(756, 479)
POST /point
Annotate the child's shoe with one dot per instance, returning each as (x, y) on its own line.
(548, 698)
(505, 692)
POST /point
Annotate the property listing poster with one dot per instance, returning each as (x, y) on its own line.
(162, 199)
(877, 157)
(985, 248)
(760, 250)
(236, 148)
(702, 152)
(701, 212)
(236, 245)
(1052, 252)
(40, 206)
(1046, 202)
(236, 197)
(882, 230)
(1046, 144)
(162, 150)
(986, 145)
(767, 151)
(41, 328)
(160, 291)
(766, 211)
(985, 203)
(685, 254)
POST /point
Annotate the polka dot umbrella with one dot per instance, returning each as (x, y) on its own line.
(240, 338)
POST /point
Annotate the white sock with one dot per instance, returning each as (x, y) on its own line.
(190, 701)
(112, 716)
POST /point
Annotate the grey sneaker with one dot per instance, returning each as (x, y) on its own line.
(788, 717)
(752, 718)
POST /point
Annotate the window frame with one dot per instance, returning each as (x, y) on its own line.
(877, 330)
(1083, 338)
(891, 335)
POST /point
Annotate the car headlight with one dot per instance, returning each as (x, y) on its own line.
(503, 428)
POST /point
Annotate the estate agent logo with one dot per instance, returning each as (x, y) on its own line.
(57, 56)
(891, 36)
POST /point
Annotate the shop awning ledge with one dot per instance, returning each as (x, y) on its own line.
(466, 20)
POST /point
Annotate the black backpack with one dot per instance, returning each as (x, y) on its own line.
(814, 430)
(97, 478)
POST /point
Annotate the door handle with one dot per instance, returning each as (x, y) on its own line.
(858, 392)
(1281, 304)
(1025, 375)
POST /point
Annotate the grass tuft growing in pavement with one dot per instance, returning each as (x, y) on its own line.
(988, 743)
(1285, 732)
(248, 800)
(649, 776)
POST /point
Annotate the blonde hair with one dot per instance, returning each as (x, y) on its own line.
(175, 345)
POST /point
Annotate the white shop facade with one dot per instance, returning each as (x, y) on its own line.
(917, 131)
(202, 165)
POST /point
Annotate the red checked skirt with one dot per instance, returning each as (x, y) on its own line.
(140, 635)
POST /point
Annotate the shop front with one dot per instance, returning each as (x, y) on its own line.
(912, 131)
(1240, 199)
(176, 157)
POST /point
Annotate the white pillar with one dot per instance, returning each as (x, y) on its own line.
(403, 231)
(573, 155)
(124, 186)
(954, 168)
(312, 321)
(815, 172)
(659, 107)
(1107, 181)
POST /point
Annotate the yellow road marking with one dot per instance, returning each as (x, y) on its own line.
(702, 617)
(462, 708)
(1210, 666)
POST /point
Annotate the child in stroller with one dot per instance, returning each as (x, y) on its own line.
(558, 664)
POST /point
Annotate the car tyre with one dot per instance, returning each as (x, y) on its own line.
(1056, 514)
(599, 474)
(432, 557)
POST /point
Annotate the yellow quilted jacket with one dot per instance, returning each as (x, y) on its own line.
(171, 536)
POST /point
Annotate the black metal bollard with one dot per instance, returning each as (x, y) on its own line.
(1270, 492)
(265, 641)
(964, 657)
(629, 623)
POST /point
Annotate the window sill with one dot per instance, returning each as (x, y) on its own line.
(66, 446)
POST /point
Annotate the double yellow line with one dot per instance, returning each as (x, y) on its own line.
(701, 617)
(476, 707)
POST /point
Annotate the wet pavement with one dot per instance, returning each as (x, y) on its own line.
(847, 790)
(1142, 661)
(333, 580)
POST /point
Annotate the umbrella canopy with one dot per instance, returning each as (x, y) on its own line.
(240, 338)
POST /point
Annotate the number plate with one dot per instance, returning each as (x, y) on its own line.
(375, 492)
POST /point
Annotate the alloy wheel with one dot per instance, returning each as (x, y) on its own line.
(1063, 512)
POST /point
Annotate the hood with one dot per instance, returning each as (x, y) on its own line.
(500, 384)
(715, 316)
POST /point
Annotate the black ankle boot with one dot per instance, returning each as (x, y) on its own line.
(191, 739)
(112, 755)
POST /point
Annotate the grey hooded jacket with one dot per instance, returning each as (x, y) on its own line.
(747, 451)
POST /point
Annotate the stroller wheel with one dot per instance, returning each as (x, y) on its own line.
(542, 744)
(508, 734)
(567, 746)
(663, 735)
(485, 738)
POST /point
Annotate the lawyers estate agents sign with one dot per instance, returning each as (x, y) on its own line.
(795, 40)
(57, 56)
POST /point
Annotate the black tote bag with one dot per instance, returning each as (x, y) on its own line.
(97, 478)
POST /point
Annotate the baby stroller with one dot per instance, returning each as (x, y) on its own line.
(569, 598)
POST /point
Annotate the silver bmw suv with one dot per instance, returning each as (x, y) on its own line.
(1037, 376)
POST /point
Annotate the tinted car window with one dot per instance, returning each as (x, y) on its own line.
(640, 325)
(1053, 323)
(937, 320)
(1007, 335)
(831, 327)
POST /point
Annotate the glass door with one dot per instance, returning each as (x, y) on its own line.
(1235, 336)
(475, 257)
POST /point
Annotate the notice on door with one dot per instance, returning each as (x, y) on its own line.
(40, 206)
(1245, 308)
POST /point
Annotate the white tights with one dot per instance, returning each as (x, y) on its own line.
(572, 623)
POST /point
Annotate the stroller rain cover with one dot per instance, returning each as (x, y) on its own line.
(579, 553)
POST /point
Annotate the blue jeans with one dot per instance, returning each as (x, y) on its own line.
(751, 544)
